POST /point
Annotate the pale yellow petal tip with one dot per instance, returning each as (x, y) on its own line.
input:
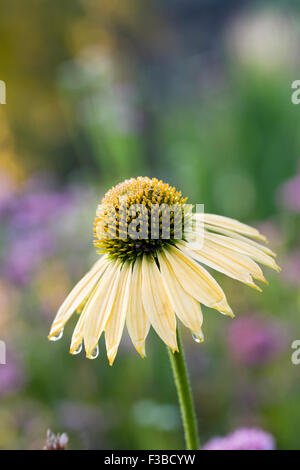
(226, 312)
(172, 343)
(74, 348)
(229, 314)
(263, 238)
(140, 347)
(111, 354)
(111, 360)
(258, 236)
(224, 308)
(254, 286)
(265, 281)
(55, 333)
(260, 278)
(92, 353)
(274, 266)
(198, 337)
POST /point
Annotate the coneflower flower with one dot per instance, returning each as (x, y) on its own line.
(149, 274)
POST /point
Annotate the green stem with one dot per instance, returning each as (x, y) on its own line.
(185, 398)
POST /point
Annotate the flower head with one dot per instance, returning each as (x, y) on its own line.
(242, 439)
(151, 267)
(117, 219)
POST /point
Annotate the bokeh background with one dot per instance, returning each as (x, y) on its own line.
(195, 92)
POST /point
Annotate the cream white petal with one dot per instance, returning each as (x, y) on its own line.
(136, 319)
(80, 325)
(77, 336)
(243, 261)
(231, 224)
(100, 307)
(226, 261)
(157, 304)
(244, 248)
(115, 325)
(185, 306)
(238, 236)
(78, 294)
(197, 281)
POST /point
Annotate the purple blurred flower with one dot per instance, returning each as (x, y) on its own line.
(242, 439)
(33, 209)
(11, 376)
(26, 254)
(253, 341)
(289, 194)
(291, 268)
(7, 191)
(271, 229)
(31, 217)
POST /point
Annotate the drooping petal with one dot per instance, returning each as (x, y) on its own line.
(231, 224)
(197, 282)
(157, 304)
(244, 248)
(238, 236)
(115, 325)
(78, 294)
(77, 336)
(100, 307)
(225, 261)
(186, 307)
(136, 319)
